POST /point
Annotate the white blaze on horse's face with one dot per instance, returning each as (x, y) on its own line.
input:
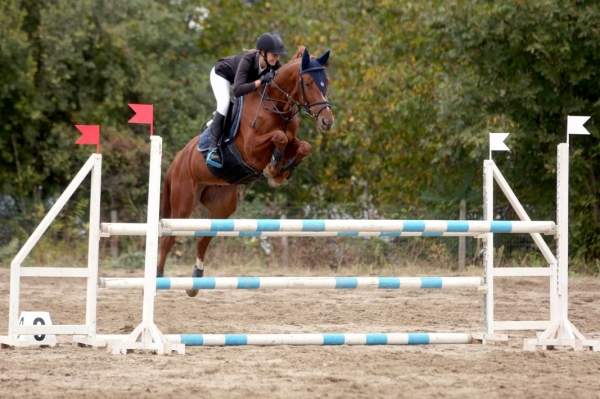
(321, 109)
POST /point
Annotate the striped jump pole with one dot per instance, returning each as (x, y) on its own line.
(361, 225)
(139, 229)
(327, 227)
(341, 234)
(322, 339)
(210, 283)
(325, 339)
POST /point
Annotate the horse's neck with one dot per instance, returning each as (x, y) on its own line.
(287, 80)
(250, 143)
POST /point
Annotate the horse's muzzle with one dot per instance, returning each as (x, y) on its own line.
(325, 122)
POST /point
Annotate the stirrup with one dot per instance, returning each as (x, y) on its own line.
(211, 162)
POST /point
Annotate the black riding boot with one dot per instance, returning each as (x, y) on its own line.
(216, 130)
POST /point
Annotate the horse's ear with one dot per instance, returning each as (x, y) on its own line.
(305, 59)
(324, 58)
(299, 52)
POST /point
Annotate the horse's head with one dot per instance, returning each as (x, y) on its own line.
(303, 84)
(313, 88)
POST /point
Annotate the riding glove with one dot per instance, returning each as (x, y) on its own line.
(267, 77)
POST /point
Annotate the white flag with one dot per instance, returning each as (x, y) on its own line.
(497, 142)
(575, 124)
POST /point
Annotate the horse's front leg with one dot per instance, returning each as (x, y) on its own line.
(280, 141)
(295, 152)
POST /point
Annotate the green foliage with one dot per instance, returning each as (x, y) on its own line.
(416, 87)
(534, 63)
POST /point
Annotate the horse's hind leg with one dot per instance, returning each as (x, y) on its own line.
(221, 202)
(182, 201)
(166, 243)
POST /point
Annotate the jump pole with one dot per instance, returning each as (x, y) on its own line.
(253, 283)
(473, 227)
(327, 228)
(322, 339)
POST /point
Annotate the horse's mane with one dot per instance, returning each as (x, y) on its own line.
(299, 52)
(296, 58)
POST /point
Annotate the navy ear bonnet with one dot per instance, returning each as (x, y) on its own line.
(316, 69)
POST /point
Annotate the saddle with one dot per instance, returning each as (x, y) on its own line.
(233, 169)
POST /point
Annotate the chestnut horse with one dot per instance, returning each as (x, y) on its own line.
(266, 141)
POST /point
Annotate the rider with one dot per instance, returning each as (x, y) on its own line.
(246, 72)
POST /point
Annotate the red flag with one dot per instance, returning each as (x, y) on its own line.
(90, 134)
(144, 114)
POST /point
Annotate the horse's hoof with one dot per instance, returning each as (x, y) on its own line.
(271, 180)
(195, 273)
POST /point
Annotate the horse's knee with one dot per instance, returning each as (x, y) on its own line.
(304, 149)
(279, 138)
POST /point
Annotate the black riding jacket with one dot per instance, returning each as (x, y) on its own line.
(242, 70)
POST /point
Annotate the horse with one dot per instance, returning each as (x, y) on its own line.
(266, 141)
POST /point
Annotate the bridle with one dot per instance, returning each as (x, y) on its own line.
(325, 104)
(292, 105)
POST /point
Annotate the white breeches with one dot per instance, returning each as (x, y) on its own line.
(220, 87)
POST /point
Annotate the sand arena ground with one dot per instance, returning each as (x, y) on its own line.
(498, 370)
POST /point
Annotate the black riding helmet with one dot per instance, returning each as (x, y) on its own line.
(272, 43)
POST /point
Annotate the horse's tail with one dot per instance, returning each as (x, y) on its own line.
(165, 203)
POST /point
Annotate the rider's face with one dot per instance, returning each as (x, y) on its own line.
(272, 58)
